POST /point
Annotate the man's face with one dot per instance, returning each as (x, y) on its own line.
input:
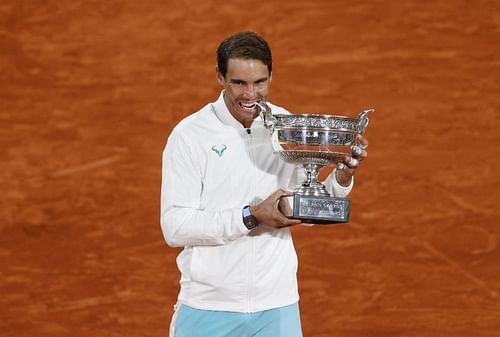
(246, 82)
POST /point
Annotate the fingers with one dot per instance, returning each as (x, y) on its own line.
(282, 221)
(358, 154)
(361, 142)
(285, 206)
(357, 150)
(279, 194)
(269, 213)
(353, 162)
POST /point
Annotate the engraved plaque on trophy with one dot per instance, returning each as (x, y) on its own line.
(314, 141)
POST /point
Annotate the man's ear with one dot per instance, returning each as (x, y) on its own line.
(219, 76)
(270, 77)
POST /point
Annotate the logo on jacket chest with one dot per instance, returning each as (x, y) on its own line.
(219, 149)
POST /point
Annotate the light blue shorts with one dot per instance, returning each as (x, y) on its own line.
(279, 322)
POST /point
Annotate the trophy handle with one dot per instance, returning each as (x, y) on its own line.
(267, 116)
(363, 120)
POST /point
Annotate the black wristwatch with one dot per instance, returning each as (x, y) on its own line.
(248, 219)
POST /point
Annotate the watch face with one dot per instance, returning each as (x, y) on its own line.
(250, 223)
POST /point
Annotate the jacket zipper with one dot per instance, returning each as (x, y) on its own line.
(251, 247)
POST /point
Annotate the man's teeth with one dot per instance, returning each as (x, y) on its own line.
(248, 106)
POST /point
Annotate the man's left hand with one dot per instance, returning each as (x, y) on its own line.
(347, 168)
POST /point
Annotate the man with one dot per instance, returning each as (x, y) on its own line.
(220, 191)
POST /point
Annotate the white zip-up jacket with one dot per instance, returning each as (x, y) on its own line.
(212, 168)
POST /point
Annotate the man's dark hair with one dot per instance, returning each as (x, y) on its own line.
(245, 45)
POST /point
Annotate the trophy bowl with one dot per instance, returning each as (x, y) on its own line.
(314, 141)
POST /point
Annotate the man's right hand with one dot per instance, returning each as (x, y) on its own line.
(267, 212)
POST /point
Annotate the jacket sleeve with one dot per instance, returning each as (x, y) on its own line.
(334, 187)
(183, 222)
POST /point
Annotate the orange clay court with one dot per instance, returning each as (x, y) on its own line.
(89, 91)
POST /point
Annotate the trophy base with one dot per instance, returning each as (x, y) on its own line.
(317, 209)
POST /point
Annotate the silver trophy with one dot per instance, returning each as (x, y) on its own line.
(314, 141)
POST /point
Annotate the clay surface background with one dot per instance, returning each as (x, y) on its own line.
(89, 91)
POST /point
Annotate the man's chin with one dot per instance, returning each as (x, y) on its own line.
(252, 114)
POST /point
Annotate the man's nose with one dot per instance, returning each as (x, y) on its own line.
(250, 90)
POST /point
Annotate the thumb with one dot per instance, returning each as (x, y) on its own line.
(281, 193)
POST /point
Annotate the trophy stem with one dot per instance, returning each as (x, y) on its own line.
(311, 184)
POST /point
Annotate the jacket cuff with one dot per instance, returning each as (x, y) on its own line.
(339, 190)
